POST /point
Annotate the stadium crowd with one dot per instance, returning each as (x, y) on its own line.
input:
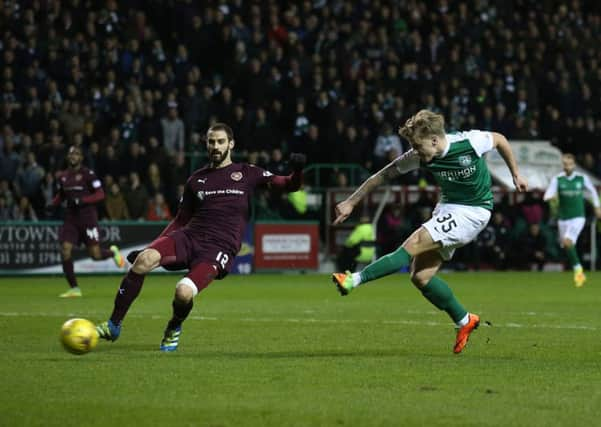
(136, 83)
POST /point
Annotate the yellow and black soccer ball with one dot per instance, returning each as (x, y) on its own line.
(79, 336)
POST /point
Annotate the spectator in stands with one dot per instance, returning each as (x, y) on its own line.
(115, 205)
(149, 126)
(388, 147)
(48, 188)
(392, 229)
(7, 193)
(276, 162)
(23, 211)
(532, 208)
(341, 180)
(134, 160)
(158, 209)
(9, 160)
(108, 162)
(173, 130)
(29, 177)
(154, 182)
(531, 249)
(493, 244)
(5, 210)
(136, 197)
(263, 135)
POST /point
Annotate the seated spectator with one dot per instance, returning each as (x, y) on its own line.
(388, 147)
(136, 197)
(158, 209)
(530, 249)
(155, 183)
(115, 205)
(532, 207)
(493, 243)
(5, 210)
(7, 194)
(24, 211)
(9, 160)
(392, 229)
(276, 162)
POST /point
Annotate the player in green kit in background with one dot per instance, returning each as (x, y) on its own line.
(455, 160)
(569, 188)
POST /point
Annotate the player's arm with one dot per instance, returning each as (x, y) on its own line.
(292, 182)
(184, 213)
(96, 196)
(401, 165)
(551, 190)
(593, 195)
(504, 149)
(96, 193)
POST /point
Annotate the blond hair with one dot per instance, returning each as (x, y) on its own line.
(425, 123)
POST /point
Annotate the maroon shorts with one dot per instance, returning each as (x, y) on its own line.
(77, 234)
(179, 251)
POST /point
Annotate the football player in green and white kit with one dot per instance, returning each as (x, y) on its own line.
(465, 205)
(569, 187)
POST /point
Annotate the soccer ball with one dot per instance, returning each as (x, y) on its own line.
(79, 336)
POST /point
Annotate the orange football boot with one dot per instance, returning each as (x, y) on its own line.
(463, 333)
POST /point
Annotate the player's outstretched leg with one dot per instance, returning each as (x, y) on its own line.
(130, 288)
(126, 295)
(388, 264)
(187, 288)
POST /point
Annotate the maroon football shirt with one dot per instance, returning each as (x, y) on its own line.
(217, 202)
(79, 184)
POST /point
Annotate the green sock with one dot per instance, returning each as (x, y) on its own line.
(573, 256)
(386, 265)
(439, 294)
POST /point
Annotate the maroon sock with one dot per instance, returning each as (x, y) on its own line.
(69, 273)
(106, 253)
(127, 293)
(180, 312)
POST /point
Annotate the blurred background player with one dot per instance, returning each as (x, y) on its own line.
(457, 163)
(205, 235)
(79, 187)
(569, 187)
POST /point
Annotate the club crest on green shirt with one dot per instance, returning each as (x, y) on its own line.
(465, 160)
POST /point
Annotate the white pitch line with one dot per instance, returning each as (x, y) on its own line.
(312, 320)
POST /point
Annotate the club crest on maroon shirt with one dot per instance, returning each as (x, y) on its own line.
(78, 177)
(236, 176)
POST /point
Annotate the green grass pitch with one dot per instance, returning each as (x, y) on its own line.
(283, 350)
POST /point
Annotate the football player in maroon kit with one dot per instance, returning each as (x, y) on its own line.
(81, 189)
(205, 235)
